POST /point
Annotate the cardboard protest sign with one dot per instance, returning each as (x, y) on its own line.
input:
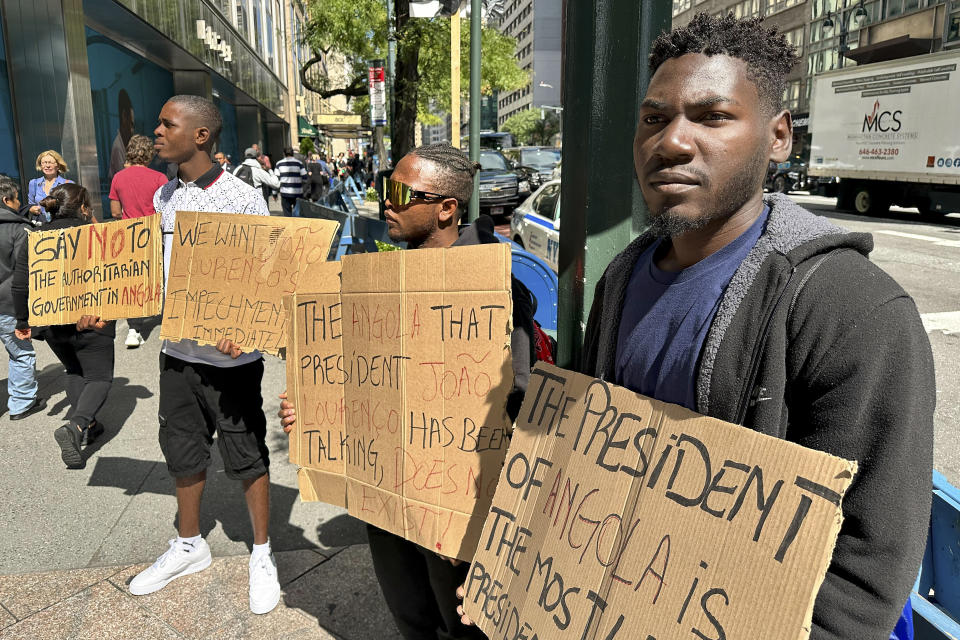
(106, 269)
(618, 516)
(401, 385)
(228, 274)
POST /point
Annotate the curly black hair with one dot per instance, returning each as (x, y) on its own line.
(455, 171)
(768, 55)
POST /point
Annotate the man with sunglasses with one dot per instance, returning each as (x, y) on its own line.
(424, 198)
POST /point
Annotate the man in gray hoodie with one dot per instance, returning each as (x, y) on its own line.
(22, 399)
(752, 310)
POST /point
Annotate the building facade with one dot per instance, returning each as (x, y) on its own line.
(82, 76)
(537, 26)
(866, 30)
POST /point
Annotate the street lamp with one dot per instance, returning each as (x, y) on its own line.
(860, 16)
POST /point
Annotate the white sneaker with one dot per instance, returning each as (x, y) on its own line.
(134, 339)
(264, 585)
(179, 560)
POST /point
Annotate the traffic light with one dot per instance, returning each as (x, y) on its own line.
(449, 7)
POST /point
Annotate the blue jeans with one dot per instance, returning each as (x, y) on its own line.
(22, 377)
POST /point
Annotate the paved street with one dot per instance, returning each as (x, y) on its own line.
(925, 259)
(96, 527)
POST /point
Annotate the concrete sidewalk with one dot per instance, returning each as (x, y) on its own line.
(325, 595)
(73, 538)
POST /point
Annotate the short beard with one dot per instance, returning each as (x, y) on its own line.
(665, 224)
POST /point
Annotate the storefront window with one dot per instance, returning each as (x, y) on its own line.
(128, 92)
(8, 138)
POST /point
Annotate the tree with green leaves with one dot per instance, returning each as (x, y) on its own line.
(533, 126)
(357, 31)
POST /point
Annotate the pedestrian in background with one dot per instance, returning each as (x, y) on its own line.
(22, 398)
(87, 355)
(293, 179)
(253, 173)
(131, 196)
(318, 180)
(52, 167)
(223, 160)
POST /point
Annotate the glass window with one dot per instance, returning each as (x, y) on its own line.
(257, 27)
(953, 28)
(546, 204)
(269, 37)
(679, 6)
(746, 9)
(791, 95)
(795, 37)
(493, 161)
(240, 19)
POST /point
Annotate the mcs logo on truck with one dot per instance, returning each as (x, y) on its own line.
(881, 120)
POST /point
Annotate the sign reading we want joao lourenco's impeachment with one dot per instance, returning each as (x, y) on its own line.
(111, 269)
(618, 517)
(401, 369)
(229, 272)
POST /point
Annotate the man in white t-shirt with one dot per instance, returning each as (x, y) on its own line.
(207, 391)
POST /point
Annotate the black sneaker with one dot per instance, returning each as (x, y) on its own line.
(69, 438)
(91, 433)
(39, 404)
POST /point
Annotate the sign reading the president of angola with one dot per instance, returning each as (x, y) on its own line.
(618, 517)
(107, 269)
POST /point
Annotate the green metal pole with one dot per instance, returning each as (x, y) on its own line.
(604, 79)
(475, 9)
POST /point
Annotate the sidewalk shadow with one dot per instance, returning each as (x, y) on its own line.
(49, 383)
(223, 499)
(342, 531)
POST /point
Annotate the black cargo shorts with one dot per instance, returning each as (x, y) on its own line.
(198, 400)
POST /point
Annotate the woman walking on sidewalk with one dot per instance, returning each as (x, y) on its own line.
(87, 356)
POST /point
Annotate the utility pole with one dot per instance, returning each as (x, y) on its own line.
(391, 71)
(601, 205)
(455, 78)
(475, 36)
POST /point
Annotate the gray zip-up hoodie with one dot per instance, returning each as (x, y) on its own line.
(13, 238)
(814, 344)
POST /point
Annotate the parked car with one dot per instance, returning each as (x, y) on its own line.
(535, 225)
(499, 184)
(535, 163)
(789, 176)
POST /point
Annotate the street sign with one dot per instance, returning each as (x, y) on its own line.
(378, 92)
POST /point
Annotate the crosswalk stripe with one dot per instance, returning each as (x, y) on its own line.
(940, 242)
(945, 321)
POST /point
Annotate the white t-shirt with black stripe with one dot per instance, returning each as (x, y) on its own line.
(216, 191)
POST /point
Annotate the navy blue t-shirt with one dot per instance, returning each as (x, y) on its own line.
(666, 317)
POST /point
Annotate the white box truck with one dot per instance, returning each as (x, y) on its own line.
(889, 133)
